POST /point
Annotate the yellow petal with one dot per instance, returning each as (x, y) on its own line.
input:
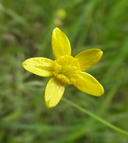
(39, 66)
(60, 44)
(89, 58)
(54, 92)
(88, 84)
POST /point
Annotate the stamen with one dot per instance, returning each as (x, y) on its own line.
(65, 69)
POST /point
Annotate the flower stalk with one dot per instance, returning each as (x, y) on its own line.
(95, 117)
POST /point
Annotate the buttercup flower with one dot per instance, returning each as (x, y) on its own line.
(65, 69)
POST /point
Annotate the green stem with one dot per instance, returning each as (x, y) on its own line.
(96, 117)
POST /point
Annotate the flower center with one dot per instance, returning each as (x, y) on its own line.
(66, 68)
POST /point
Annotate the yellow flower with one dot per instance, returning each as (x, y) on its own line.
(65, 69)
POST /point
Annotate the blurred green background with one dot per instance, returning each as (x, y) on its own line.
(25, 31)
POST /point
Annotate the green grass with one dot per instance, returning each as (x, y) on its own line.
(25, 31)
